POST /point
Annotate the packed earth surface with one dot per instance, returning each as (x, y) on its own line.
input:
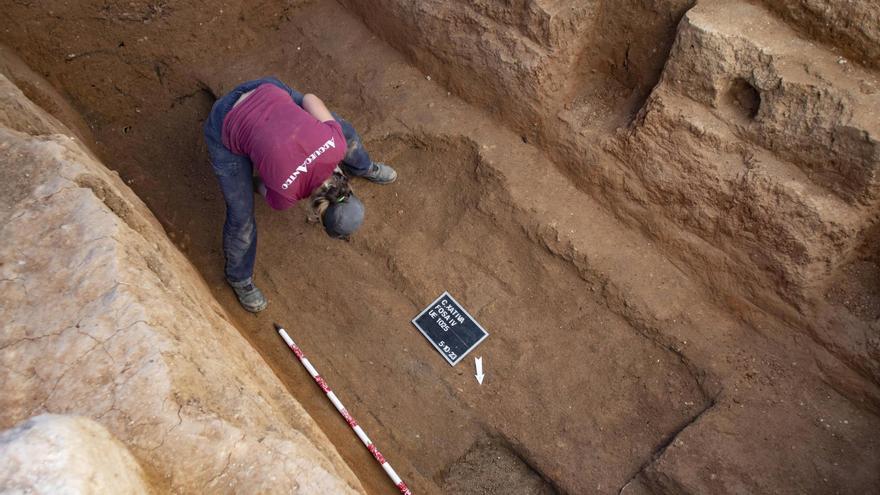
(665, 213)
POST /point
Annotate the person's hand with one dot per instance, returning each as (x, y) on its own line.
(260, 186)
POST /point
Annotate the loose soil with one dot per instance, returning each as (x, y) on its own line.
(576, 398)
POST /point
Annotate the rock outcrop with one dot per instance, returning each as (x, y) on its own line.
(104, 318)
(67, 454)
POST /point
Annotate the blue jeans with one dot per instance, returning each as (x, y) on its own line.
(235, 173)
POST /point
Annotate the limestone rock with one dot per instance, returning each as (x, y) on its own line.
(103, 317)
(55, 454)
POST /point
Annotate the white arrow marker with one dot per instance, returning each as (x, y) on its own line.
(479, 375)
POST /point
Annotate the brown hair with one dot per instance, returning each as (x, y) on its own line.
(330, 192)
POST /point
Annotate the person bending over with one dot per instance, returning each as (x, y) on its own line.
(298, 149)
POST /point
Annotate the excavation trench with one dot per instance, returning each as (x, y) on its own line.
(579, 394)
(580, 397)
(609, 367)
(576, 399)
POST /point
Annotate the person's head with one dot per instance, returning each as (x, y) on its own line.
(336, 207)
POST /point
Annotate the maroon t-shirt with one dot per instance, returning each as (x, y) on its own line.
(293, 152)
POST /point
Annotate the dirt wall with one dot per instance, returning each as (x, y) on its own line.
(851, 27)
(756, 158)
(748, 148)
(529, 60)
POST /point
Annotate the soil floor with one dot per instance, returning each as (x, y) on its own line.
(575, 400)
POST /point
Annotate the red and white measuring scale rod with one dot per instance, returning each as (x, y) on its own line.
(344, 412)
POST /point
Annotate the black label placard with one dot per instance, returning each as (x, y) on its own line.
(449, 328)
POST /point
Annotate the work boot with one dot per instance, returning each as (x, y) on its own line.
(381, 174)
(250, 297)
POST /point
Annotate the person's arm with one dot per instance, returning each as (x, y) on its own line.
(316, 107)
(275, 200)
(278, 201)
(259, 186)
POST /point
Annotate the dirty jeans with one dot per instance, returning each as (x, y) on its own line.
(235, 174)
